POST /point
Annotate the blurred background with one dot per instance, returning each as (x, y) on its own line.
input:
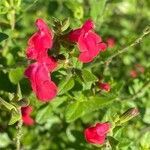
(122, 21)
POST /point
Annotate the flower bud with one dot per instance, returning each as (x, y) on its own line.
(128, 115)
(65, 24)
(23, 102)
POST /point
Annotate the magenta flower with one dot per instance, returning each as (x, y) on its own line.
(88, 42)
(40, 42)
(41, 83)
(97, 134)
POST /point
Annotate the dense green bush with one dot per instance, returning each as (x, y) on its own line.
(60, 124)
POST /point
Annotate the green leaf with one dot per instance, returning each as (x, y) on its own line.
(43, 114)
(65, 24)
(88, 76)
(7, 105)
(58, 101)
(3, 36)
(145, 140)
(79, 108)
(15, 75)
(97, 8)
(66, 85)
(15, 116)
(113, 142)
(5, 140)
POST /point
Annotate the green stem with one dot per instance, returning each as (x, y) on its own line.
(19, 134)
(146, 31)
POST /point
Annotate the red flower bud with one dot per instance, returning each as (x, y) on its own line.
(110, 42)
(26, 111)
(97, 134)
(104, 86)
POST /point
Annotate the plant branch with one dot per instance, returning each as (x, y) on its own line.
(146, 31)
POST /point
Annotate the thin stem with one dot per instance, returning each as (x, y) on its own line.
(19, 134)
(146, 31)
(139, 92)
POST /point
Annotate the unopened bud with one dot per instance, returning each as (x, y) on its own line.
(128, 115)
(23, 102)
(65, 24)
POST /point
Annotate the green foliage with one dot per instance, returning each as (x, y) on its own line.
(88, 76)
(66, 85)
(43, 114)
(15, 75)
(3, 36)
(60, 124)
(80, 108)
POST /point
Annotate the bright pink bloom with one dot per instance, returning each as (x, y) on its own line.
(97, 134)
(40, 42)
(41, 83)
(110, 42)
(26, 111)
(133, 74)
(105, 86)
(89, 43)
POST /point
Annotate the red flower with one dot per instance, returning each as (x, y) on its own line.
(41, 83)
(110, 42)
(133, 74)
(88, 42)
(26, 111)
(40, 42)
(104, 86)
(97, 134)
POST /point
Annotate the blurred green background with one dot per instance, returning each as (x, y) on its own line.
(123, 20)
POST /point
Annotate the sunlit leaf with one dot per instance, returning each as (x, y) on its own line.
(80, 108)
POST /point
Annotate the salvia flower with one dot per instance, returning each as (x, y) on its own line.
(41, 83)
(26, 118)
(97, 134)
(104, 86)
(88, 42)
(40, 42)
(38, 72)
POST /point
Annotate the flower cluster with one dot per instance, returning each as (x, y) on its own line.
(38, 72)
(89, 44)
